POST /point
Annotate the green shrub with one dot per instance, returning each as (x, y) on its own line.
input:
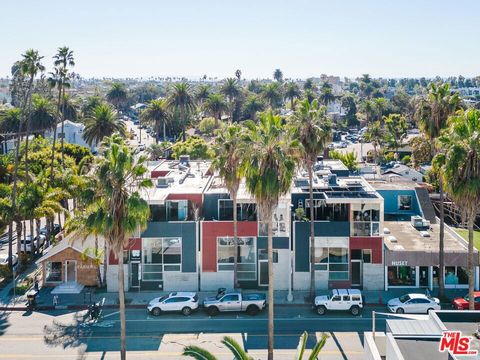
(207, 126)
(194, 146)
(390, 156)
(406, 159)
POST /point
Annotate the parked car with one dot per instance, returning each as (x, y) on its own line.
(56, 229)
(184, 302)
(141, 147)
(340, 300)
(462, 302)
(233, 300)
(26, 244)
(413, 303)
(4, 259)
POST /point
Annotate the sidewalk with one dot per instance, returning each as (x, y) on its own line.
(140, 299)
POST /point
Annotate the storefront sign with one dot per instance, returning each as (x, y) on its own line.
(135, 255)
(86, 266)
(400, 263)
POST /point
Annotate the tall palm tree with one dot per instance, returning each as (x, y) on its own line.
(432, 113)
(278, 75)
(269, 167)
(6, 217)
(292, 92)
(272, 94)
(461, 172)
(70, 108)
(43, 114)
(252, 106)
(216, 105)
(181, 102)
(229, 149)
(120, 211)
(309, 85)
(62, 60)
(117, 95)
(238, 74)
(202, 92)
(103, 122)
(326, 95)
(396, 130)
(231, 90)
(313, 130)
(375, 135)
(156, 113)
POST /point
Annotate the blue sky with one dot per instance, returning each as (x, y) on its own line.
(303, 38)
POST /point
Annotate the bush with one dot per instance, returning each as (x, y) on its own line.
(406, 160)
(194, 146)
(390, 156)
(207, 126)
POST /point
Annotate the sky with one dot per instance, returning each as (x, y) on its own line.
(143, 38)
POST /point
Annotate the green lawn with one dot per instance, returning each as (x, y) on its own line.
(476, 236)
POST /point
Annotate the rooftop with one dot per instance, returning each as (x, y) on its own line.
(420, 349)
(393, 185)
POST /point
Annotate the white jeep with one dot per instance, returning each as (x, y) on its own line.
(340, 300)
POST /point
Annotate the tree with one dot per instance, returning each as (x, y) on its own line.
(120, 211)
(292, 92)
(421, 151)
(91, 103)
(117, 95)
(349, 104)
(231, 90)
(103, 122)
(43, 114)
(156, 113)
(252, 106)
(396, 130)
(313, 130)
(302, 344)
(461, 173)
(432, 113)
(199, 353)
(326, 94)
(238, 74)
(194, 146)
(202, 92)
(215, 105)
(272, 94)
(181, 102)
(269, 166)
(309, 85)
(349, 159)
(229, 150)
(375, 135)
(278, 75)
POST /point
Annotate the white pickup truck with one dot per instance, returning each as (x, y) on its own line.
(340, 300)
(234, 300)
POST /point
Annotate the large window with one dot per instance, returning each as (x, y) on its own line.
(245, 211)
(159, 255)
(456, 275)
(366, 220)
(401, 276)
(172, 210)
(404, 202)
(246, 259)
(333, 259)
(326, 212)
(53, 271)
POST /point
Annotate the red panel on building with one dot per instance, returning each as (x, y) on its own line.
(159, 173)
(195, 198)
(373, 243)
(213, 229)
(133, 244)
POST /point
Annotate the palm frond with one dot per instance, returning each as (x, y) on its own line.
(235, 348)
(198, 353)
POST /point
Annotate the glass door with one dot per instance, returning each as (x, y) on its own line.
(356, 272)
(263, 272)
(134, 275)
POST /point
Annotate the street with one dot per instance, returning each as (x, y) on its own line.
(66, 334)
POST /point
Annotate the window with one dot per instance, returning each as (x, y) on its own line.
(159, 255)
(53, 271)
(158, 213)
(177, 210)
(230, 298)
(401, 276)
(456, 275)
(367, 256)
(337, 298)
(245, 211)
(225, 209)
(366, 220)
(326, 212)
(404, 202)
(334, 260)
(246, 256)
(346, 298)
(263, 255)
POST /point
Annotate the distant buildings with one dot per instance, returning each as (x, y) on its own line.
(73, 133)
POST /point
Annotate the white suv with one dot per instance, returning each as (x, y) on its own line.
(184, 302)
(340, 300)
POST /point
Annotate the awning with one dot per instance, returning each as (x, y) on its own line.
(425, 258)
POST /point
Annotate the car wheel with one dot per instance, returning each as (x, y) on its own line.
(355, 310)
(400, 311)
(186, 311)
(156, 311)
(321, 310)
(212, 311)
(252, 310)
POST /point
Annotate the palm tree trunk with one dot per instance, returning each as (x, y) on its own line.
(441, 245)
(291, 103)
(27, 127)
(18, 229)
(99, 275)
(235, 242)
(270, 287)
(10, 244)
(164, 131)
(470, 265)
(105, 263)
(34, 248)
(312, 233)
(55, 135)
(63, 123)
(121, 298)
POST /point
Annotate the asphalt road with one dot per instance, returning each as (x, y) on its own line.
(53, 335)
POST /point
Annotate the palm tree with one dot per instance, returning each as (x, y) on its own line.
(326, 94)
(375, 135)
(272, 94)
(43, 114)
(199, 353)
(202, 92)
(396, 130)
(229, 151)
(216, 105)
(6, 217)
(432, 113)
(104, 122)
(302, 344)
(292, 92)
(238, 74)
(313, 130)
(269, 165)
(231, 90)
(120, 211)
(70, 108)
(157, 114)
(278, 75)
(62, 60)
(181, 102)
(91, 103)
(461, 172)
(117, 95)
(252, 106)
(309, 85)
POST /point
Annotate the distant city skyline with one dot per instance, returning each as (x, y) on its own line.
(347, 38)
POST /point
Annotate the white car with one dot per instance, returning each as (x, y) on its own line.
(4, 259)
(184, 302)
(26, 244)
(413, 303)
(340, 300)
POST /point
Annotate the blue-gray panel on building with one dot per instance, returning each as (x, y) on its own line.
(185, 230)
(278, 242)
(302, 235)
(210, 205)
(391, 201)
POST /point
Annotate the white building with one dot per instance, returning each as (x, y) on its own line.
(73, 133)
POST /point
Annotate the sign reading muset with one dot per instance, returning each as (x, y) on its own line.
(400, 263)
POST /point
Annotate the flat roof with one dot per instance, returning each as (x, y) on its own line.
(420, 349)
(419, 327)
(393, 185)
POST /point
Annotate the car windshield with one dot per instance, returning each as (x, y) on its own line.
(404, 298)
(162, 298)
